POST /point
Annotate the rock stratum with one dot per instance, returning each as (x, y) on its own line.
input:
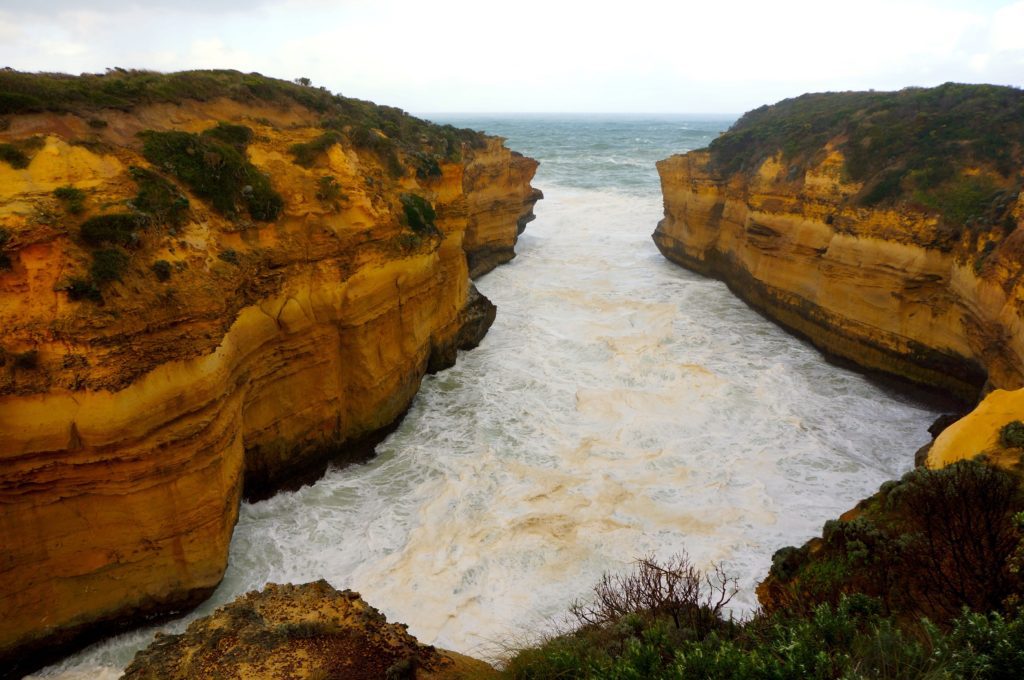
(883, 227)
(294, 632)
(211, 285)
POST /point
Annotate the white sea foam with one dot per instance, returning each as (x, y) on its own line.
(619, 406)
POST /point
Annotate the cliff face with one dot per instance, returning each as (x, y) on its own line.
(888, 288)
(307, 631)
(226, 354)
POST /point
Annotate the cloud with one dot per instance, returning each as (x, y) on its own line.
(538, 54)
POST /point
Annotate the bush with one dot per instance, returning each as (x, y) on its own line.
(1012, 434)
(13, 156)
(162, 269)
(238, 136)
(28, 360)
(73, 199)
(114, 229)
(676, 588)
(108, 265)
(419, 214)
(937, 542)
(328, 190)
(158, 198)
(215, 171)
(79, 288)
(307, 153)
(229, 256)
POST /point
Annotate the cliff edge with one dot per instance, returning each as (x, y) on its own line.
(211, 285)
(881, 226)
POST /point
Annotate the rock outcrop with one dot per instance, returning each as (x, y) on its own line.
(885, 229)
(893, 285)
(194, 345)
(311, 631)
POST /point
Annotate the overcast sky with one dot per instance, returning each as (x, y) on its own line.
(724, 56)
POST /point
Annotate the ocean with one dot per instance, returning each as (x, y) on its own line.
(619, 407)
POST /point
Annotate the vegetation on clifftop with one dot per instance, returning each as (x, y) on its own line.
(121, 89)
(955, 149)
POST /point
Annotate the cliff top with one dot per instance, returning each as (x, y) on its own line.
(124, 90)
(951, 149)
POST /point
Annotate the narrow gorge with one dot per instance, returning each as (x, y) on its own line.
(233, 426)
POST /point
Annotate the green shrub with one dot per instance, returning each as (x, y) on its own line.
(1012, 434)
(328, 190)
(79, 288)
(5, 259)
(229, 256)
(108, 265)
(28, 360)
(214, 171)
(73, 199)
(238, 136)
(13, 156)
(419, 214)
(162, 269)
(307, 153)
(158, 198)
(113, 229)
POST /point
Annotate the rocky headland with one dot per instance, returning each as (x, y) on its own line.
(212, 285)
(885, 229)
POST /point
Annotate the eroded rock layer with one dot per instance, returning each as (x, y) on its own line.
(149, 377)
(307, 631)
(882, 287)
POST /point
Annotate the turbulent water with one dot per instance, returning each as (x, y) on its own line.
(619, 406)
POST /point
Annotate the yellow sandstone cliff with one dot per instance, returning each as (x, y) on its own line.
(883, 287)
(130, 428)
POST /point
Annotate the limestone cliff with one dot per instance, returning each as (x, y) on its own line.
(308, 631)
(832, 226)
(210, 285)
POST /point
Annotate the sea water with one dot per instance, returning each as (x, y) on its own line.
(619, 407)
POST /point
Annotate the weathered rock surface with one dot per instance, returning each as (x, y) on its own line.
(883, 287)
(129, 430)
(310, 631)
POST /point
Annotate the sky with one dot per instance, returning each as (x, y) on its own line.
(717, 56)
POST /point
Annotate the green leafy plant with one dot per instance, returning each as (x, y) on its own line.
(13, 156)
(162, 269)
(73, 199)
(419, 214)
(215, 171)
(112, 229)
(158, 198)
(79, 288)
(306, 154)
(108, 265)
(1012, 434)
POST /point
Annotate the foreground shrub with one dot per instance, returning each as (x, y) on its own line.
(929, 545)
